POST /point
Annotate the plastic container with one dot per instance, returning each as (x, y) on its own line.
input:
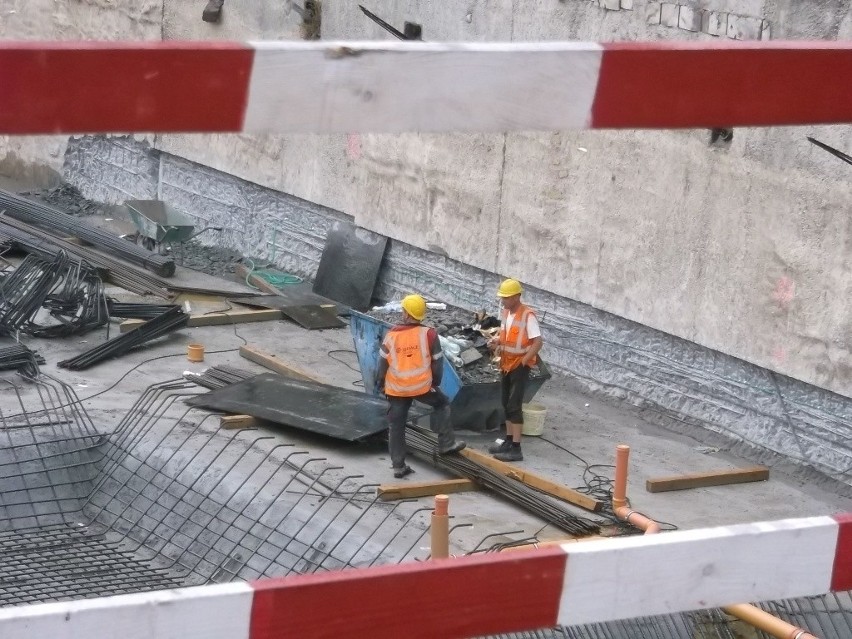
(474, 406)
(195, 352)
(534, 416)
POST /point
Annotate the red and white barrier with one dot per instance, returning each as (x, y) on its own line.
(349, 87)
(486, 594)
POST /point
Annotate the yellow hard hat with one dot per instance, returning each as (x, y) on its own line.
(415, 306)
(509, 288)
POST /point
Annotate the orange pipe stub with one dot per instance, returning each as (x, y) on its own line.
(637, 519)
(195, 352)
(619, 493)
(440, 529)
(766, 622)
(442, 505)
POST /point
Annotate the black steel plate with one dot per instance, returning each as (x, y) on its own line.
(349, 266)
(291, 295)
(313, 317)
(318, 408)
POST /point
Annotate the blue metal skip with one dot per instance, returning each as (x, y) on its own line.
(474, 406)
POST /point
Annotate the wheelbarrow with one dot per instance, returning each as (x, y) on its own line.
(159, 226)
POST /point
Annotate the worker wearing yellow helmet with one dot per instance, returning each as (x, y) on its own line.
(410, 369)
(518, 344)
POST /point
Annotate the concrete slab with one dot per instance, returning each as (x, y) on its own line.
(579, 427)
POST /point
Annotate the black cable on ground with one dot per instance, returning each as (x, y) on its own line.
(600, 487)
(148, 361)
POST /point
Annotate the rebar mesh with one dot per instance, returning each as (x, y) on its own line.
(167, 499)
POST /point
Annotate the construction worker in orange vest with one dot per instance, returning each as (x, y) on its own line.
(518, 345)
(410, 369)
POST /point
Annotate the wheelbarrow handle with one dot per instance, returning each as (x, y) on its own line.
(209, 228)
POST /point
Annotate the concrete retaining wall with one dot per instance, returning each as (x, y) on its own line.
(680, 384)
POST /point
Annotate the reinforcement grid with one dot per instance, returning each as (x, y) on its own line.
(168, 499)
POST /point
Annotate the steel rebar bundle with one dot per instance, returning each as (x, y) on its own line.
(217, 377)
(130, 310)
(72, 293)
(424, 444)
(18, 357)
(57, 222)
(36, 241)
(171, 320)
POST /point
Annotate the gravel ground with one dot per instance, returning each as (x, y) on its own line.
(66, 198)
(212, 260)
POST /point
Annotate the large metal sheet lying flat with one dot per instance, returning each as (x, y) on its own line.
(291, 295)
(349, 266)
(313, 317)
(318, 408)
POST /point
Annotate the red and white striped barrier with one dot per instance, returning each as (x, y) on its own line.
(350, 87)
(486, 594)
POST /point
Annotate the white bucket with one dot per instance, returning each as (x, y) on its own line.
(534, 415)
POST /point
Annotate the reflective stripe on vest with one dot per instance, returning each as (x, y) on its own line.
(409, 362)
(514, 349)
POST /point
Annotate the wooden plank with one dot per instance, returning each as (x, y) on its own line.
(388, 492)
(243, 272)
(217, 319)
(534, 481)
(703, 480)
(233, 422)
(275, 364)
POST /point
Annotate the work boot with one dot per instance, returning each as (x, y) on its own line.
(512, 455)
(401, 471)
(501, 446)
(459, 445)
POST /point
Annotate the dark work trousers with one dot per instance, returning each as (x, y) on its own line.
(439, 422)
(513, 387)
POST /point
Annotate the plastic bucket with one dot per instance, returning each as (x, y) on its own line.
(534, 415)
(195, 352)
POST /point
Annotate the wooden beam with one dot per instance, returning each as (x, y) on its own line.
(233, 422)
(245, 275)
(703, 480)
(217, 319)
(534, 481)
(275, 363)
(388, 492)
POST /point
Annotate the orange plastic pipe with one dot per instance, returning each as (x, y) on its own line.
(769, 624)
(440, 529)
(637, 519)
(619, 494)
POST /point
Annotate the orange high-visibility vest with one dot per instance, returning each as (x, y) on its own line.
(515, 342)
(409, 362)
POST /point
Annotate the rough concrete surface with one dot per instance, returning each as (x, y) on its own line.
(575, 421)
(749, 243)
(686, 386)
(743, 249)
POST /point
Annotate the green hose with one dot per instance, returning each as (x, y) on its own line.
(271, 276)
